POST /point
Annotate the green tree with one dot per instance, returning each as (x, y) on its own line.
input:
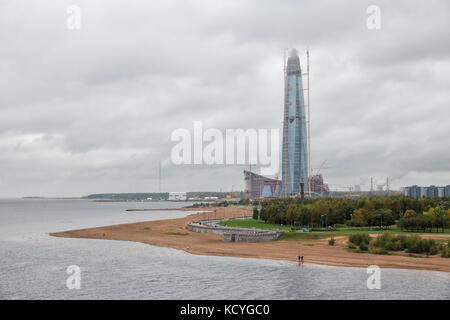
(255, 213)
(440, 216)
(409, 213)
(291, 214)
(368, 205)
(360, 215)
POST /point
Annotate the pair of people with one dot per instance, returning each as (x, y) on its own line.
(300, 260)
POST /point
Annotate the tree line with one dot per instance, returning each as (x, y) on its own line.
(425, 214)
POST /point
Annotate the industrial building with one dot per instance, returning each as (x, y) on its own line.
(259, 186)
(177, 196)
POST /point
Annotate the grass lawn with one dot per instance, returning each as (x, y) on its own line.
(176, 234)
(251, 223)
(259, 224)
(303, 236)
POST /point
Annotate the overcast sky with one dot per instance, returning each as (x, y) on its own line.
(92, 110)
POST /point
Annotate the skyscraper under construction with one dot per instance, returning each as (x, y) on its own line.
(295, 141)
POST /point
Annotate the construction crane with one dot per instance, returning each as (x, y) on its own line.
(283, 191)
(309, 124)
(310, 178)
(350, 188)
(321, 167)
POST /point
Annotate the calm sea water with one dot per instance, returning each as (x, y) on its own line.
(33, 264)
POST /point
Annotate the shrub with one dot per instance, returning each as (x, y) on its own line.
(355, 223)
(396, 245)
(385, 241)
(445, 253)
(331, 241)
(429, 246)
(358, 238)
(434, 249)
(403, 240)
(376, 250)
(363, 246)
(388, 242)
(414, 244)
(255, 213)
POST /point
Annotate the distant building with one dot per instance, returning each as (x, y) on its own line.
(432, 191)
(416, 191)
(177, 196)
(258, 186)
(357, 188)
(424, 192)
(407, 191)
(447, 191)
(317, 185)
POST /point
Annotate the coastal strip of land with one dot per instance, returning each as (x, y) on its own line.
(172, 233)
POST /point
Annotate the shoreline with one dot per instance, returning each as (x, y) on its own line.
(172, 233)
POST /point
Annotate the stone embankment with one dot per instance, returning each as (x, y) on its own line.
(233, 234)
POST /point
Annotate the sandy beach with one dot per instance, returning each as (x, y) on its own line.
(172, 233)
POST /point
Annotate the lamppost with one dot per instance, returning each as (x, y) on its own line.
(381, 221)
(321, 218)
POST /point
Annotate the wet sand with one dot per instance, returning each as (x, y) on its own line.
(172, 233)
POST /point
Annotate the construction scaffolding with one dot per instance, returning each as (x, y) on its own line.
(317, 186)
(258, 186)
(296, 158)
(296, 171)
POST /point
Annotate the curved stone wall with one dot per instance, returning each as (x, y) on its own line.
(232, 234)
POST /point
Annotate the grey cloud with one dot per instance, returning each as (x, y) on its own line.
(92, 110)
